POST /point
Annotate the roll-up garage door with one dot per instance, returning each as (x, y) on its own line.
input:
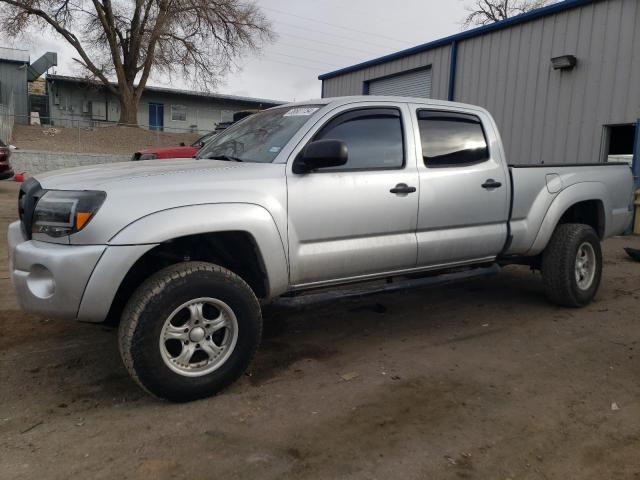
(410, 84)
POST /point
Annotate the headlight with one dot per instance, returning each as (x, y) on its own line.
(148, 156)
(59, 213)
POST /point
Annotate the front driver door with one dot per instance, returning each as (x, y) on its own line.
(345, 222)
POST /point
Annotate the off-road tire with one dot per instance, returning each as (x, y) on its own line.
(151, 304)
(559, 263)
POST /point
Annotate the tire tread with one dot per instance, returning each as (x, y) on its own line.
(128, 341)
(558, 264)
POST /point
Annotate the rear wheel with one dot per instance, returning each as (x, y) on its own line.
(189, 331)
(572, 265)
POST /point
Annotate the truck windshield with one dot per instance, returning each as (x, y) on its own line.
(260, 137)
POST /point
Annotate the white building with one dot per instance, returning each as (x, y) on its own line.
(71, 100)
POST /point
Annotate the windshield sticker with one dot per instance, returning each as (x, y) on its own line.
(301, 111)
(274, 149)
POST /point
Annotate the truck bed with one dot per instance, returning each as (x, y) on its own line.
(541, 194)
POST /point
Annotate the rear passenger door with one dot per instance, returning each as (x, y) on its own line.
(464, 189)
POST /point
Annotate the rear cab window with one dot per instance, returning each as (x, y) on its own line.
(451, 139)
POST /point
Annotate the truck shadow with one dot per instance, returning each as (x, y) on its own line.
(449, 313)
(79, 364)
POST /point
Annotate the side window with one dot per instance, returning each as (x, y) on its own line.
(451, 139)
(373, 137)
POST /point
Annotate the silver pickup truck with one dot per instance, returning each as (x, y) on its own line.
(298, 197)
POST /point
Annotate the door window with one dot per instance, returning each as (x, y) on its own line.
(451, 139)
(373, 137)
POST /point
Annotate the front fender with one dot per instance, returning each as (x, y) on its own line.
(579, 192)
(220, 217)
(137, 238)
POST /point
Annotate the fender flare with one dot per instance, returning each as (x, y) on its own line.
(136, 239)
(188, 220)
(576, 193)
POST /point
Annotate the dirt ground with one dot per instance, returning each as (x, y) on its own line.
(482, 380)
(96, 140)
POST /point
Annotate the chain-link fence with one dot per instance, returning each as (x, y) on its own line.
(85, 135)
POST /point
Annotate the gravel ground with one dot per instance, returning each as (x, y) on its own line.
(483, 380)
(110, 139)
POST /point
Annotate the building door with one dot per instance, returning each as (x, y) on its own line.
(410, 84)
(156, 116)
(40, 104)
(619, 142)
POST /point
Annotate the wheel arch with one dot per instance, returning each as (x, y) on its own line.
(242, 238)
(585, 202)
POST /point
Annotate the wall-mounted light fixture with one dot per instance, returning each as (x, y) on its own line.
(565, 62)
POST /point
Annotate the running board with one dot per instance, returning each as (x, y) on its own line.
(337, 293)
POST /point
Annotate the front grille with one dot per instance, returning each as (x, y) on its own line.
(30, 193)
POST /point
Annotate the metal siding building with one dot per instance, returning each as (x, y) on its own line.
(354, 83)
(13, 79)
(545, 115)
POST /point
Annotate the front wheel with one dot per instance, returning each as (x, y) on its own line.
(572, 265)
(189, 331)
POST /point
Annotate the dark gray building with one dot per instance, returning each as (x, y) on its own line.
(16, 72)
(563, 82)
(13, 79)
(17, 75)
(72, 101)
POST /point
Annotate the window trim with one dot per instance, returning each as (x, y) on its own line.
(373, 169)
(453, 112)
(185, 112)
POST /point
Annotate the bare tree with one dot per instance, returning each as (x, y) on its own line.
(484, 12)
(128, 40)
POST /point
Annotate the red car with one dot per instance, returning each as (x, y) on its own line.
(180, 151)
(184, 151)
(5, 167)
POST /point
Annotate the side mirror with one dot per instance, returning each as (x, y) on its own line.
(321, 154)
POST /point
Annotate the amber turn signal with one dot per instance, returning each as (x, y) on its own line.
(81, 219)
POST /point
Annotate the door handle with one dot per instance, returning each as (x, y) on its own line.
(402, 188)
(491, 183)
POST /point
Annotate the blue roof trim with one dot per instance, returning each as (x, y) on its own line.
(509, 22)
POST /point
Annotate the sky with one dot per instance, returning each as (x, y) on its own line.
(313, 37)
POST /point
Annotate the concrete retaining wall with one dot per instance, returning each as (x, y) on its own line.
(33, 162)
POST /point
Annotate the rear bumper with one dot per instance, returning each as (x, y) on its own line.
(50, 278)
(620, 221)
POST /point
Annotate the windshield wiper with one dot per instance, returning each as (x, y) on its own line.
(227, 158)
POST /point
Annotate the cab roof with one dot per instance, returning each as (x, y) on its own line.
(338, 101)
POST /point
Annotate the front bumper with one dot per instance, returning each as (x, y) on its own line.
(50, 278)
